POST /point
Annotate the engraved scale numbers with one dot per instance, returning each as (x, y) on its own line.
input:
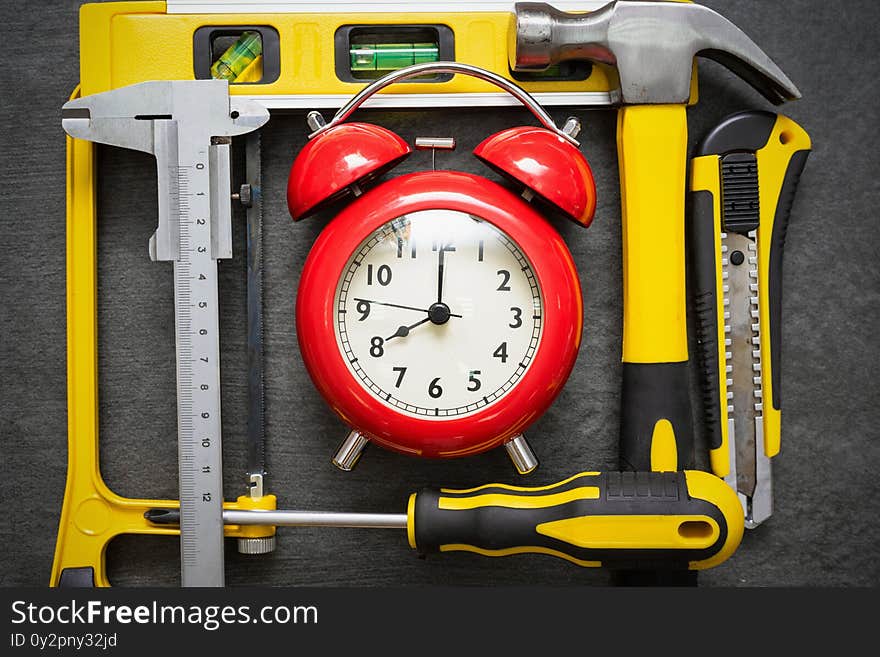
(438, 369)
(197, 336)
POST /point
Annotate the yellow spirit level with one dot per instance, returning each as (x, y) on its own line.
(313, 53)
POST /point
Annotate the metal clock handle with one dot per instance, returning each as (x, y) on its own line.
(316, 121)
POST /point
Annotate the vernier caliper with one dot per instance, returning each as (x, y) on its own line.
(188, 126)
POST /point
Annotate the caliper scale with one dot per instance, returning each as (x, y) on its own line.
(198, 380)
(187, 125)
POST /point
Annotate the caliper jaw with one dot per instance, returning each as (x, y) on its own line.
(174, 118)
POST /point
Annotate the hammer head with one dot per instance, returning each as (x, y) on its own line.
(652, 44)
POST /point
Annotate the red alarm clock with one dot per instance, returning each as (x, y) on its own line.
(439, 314)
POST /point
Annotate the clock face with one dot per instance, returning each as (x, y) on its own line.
(438, 314)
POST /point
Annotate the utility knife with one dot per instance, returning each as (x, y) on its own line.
(744, 175)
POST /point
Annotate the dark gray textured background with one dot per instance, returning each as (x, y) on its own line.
(824, 531)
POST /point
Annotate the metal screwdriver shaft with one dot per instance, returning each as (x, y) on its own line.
(316, 519)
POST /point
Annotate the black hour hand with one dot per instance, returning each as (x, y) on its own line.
(403, 331)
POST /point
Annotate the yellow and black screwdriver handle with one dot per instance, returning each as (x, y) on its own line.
(779, 148)
(687, 520)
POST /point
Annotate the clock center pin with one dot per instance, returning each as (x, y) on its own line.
(439, 313)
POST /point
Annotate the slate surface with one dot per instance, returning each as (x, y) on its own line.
(824, 531)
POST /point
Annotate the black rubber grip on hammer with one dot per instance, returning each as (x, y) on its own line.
(652, 392)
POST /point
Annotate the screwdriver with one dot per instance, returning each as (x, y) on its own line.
(684, 520)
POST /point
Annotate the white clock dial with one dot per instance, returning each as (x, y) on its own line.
(438, 314)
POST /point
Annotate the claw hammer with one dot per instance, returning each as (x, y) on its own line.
(652, 45)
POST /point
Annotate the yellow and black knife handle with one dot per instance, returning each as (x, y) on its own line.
(774, 149)
(685, 520)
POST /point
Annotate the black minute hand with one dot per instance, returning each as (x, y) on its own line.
(440, 275)
(442, 249)
(393, 305)
(397, 305)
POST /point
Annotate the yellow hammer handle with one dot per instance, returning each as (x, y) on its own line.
(656, 423)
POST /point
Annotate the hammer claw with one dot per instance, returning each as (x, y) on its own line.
(764, 76)
(728, 45)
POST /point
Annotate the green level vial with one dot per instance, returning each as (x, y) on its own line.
(238, 57)
(391, 56)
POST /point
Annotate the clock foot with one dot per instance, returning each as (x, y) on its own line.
(350, 451)
(524, 459)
